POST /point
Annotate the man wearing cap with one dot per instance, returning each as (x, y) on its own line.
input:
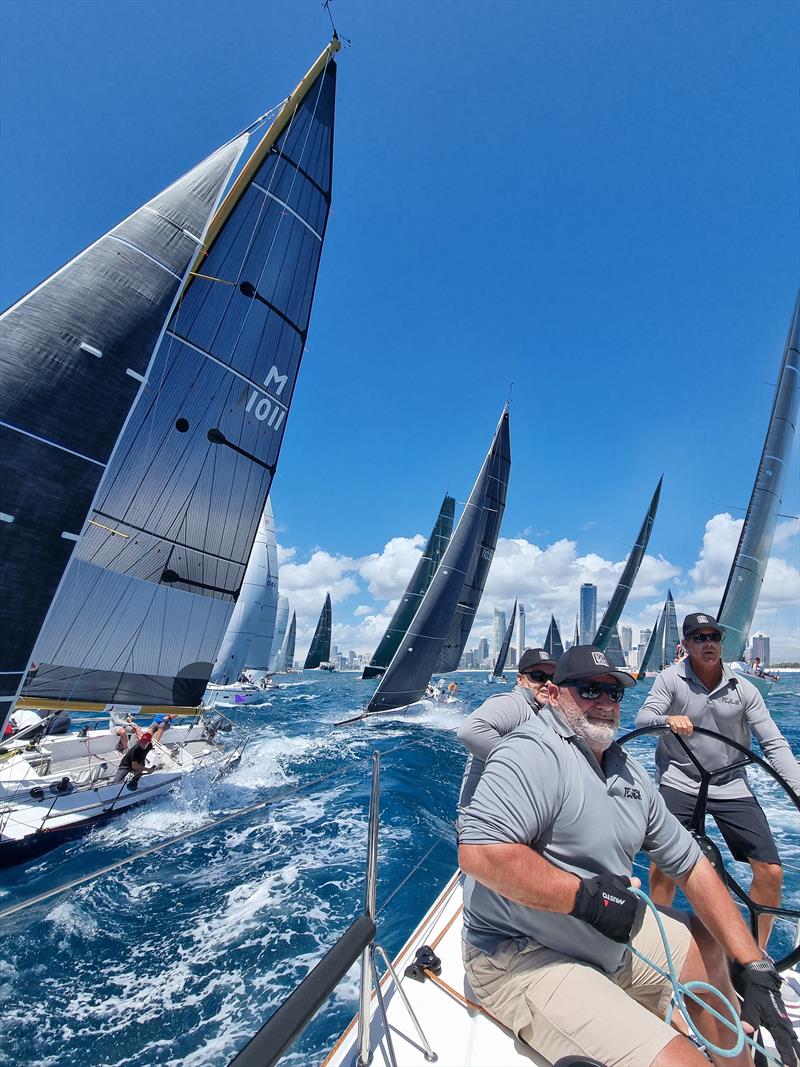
(502, 713)
(701, 691)
(134, 759)
(547, 844)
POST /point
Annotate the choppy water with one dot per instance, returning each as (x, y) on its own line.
(179, 957)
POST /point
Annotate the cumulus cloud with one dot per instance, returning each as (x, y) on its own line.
(387, 572)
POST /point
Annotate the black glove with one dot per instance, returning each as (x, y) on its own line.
(605, 903)
(759, 986)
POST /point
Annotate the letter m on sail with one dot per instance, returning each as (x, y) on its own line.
(279, 380)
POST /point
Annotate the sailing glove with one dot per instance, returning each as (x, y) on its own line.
(759, 986)
(605, 903)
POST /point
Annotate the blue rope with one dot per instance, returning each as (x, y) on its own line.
(681, 990)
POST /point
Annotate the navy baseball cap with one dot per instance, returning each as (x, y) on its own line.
(699, 621)
(582, 662)
(532, 659)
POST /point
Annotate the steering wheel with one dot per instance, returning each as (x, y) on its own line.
(697, 824)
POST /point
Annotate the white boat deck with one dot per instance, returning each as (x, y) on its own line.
(459, 1032)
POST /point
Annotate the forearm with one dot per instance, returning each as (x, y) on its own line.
(520, 874)
(716, 909)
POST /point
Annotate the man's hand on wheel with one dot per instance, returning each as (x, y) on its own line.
(759, 986)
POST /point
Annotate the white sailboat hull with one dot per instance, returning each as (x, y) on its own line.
(234, 696)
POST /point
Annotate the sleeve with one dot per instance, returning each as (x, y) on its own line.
(668, 844)
(774, 745)
(517, 797)
(481, 730)
(657, 706)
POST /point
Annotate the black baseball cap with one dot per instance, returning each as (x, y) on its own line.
(582, 662)
(532, 659)
(700, 621)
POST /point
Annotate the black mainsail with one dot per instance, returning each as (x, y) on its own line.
(412, 665)
(552, 642)
(655, 643)
(148, 595)
(612, 614)
(320, 650)
(758, 530)
(502, 655)
(411, 599)
(75, 354)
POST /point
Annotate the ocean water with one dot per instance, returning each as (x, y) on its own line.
(180, 956)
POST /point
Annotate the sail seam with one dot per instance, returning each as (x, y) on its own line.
(228, 367)
(146, 255)
(192, 237)
(53, 444)
(291, 211)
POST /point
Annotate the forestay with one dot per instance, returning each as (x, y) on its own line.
(147, 599)
(74, 354)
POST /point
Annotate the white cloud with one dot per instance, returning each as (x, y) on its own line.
(363, 609)
(387, 572)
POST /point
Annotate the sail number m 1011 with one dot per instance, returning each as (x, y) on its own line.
(265, 408)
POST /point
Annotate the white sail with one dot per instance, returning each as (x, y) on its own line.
(281, 622)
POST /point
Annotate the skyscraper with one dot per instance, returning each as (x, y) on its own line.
(588, 612)
(520, 642)
(644, 636)
(483, 650)
(498, 632)
(626, 635)
(760, 649)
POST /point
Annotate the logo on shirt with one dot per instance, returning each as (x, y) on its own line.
(632, 793)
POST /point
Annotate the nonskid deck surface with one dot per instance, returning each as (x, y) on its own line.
(458, 1032)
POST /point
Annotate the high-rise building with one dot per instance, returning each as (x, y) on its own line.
(520, 642)
(588, 623)
(644, 636)
(498, 633)
(512, 657)
(626, 636)
(483, 650)
(760, 643)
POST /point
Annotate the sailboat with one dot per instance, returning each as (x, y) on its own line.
(276, 659)
(612, 614)
(500, 663)
(662, 648)
(178, 338)
(444, 616)
(552, 642)
(415, 590)
(749, 565)
(247, 644)
(287, 651)
(319, 653)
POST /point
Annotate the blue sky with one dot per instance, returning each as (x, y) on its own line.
(597, 202)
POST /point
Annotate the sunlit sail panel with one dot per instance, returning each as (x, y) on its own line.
(412, 665)
(74, 354)
(410, 601)
(755, 541)
(179, 507)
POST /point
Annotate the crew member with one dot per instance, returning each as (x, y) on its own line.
(134, 759)
(701, 691)
(502, 713)
(547, 845)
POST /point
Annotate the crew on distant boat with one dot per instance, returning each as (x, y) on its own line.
(502, 713)
(702, 691)
(547, 844)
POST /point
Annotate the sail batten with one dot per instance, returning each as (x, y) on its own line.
(195, 464)
(749, 565)
(412, 665)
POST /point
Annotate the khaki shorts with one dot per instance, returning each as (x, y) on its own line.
(561, 1007)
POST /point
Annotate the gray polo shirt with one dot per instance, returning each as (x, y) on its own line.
(734, 708)
(543, 787)
(494, 719)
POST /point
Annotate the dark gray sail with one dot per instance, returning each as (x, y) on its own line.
(552, 642)
(576, 637)
(671, 637)
(656, 641)
(617, 603)
(320, 650)
(411, 599)
(482, 556)
(408, 674)
(613, 650)
(75, 354)
(758, 530)
(291, 636)
(502, 655)
(147, 598)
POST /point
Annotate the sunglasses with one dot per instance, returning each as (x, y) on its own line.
(701, 639)
(539, 676)
(592, 690)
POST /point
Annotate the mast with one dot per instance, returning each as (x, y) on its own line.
(502, 655)
(411, 599)
(617, 603)
(758, 530)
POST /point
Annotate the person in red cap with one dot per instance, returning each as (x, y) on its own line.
(134, 760)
